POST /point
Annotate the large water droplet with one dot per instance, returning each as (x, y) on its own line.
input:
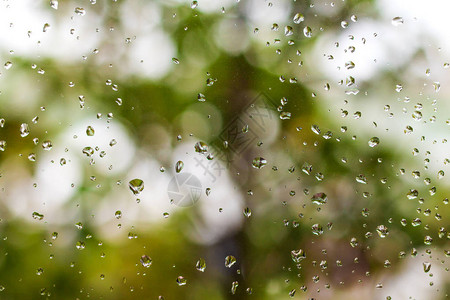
(259, 163)
(201, 147)
(374, 142)
(24, 130)
(146, 261)
(298, 18)
(37, 216)
(288, 30)
(179, 166)
(136, 186)
(382, 231)
(47, 145)
(90, 131)
(201, 265)
(397, 21)
(307, 31)
(319, 198)
(298, 255)
(80, 11)
(230, 260)
(54, 4)
(181, 281)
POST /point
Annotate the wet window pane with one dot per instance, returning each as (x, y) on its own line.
(224, 149)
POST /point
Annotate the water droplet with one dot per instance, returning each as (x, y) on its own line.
(136, 186)
(234, 286)
(349, 65)
(361, 179)
(210, 81)
(298, 18)
(201, 97)
(247, 212)
(382, 231)
(397, 21)
(288, 30)
(46, 27)
(146, 261)
(175, 60)
(32, 157)
(285, 115)
(426, 267)
(90, 131)
(298, 255)
(88, 151)
(319, 198)
(47, 145)
(179, 166)
(80, 245)
(194, 4)
(181, 281)
(80, 11)
(374, 142)
(201, 147)
(201, 265)
(8, 65)
(24, 130)
(230, 260)
(315, 129)
(412, 194)
(54, 4)
(259, 163)
(307, 31)
(37, 216)
(317, 229)
(118, 214)
(2, 145)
